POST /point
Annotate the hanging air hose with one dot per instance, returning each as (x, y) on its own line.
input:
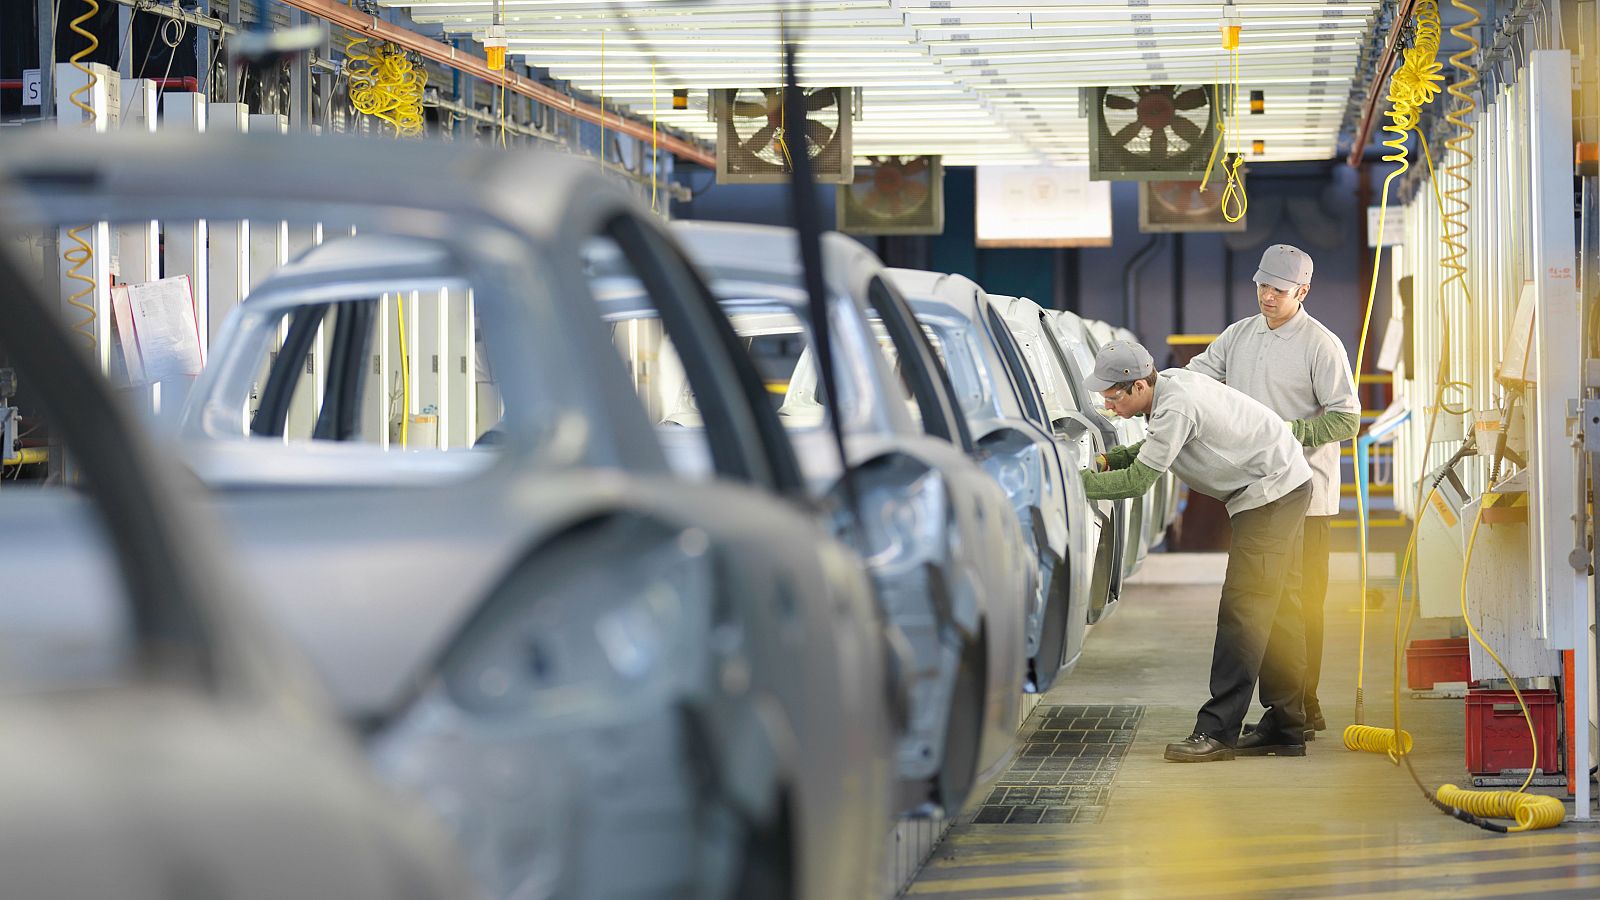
(386, 83)
(1235, 202)
(81, 256)
(405, 371)
(1529, 811)
(1413, 86)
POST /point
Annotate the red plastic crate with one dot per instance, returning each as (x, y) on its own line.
(1497, 736)
(1430, 662)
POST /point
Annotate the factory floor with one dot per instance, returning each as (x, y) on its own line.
(1126, 823)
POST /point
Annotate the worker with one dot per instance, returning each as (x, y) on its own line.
(1298, 369)
(1222, 443)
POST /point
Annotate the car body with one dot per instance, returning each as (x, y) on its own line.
(573, 655)
(947, 558)
(157, 738)
(1075, 334)
(1014, 443)
(1164, 497)
(1093, 559)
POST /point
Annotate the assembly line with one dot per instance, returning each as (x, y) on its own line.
(542, 449)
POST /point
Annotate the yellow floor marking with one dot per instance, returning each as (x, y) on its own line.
(1186, 873)
(1088, 839)
(1516, 888)
(1167, 881)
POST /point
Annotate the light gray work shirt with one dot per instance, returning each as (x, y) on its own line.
(1300, 371)
(1221, 442)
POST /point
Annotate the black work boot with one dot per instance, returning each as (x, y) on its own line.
(1198, 748)
(1310, 732)
(1255, 742)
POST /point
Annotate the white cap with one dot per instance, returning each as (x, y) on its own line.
(1118, 363)
(1284, 267)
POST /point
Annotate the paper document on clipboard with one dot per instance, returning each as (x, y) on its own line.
(158, 330)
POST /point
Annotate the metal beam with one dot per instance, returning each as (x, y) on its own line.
(478, 67)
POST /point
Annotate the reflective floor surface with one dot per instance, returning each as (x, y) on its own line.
(1334, 823)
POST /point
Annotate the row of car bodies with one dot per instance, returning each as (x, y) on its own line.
(650, 630)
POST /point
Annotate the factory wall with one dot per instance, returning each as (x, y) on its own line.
(1189, 283)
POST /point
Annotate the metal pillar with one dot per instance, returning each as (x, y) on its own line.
(230, 241)
(185, 250)
(47, 63)
(1557, 510)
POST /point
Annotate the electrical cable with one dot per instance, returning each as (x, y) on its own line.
(1413, 86)
(81, 257)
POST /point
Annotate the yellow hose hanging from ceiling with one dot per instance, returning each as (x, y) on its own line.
(1529, 811)
(1413, 86)
(386, 83)
(81, 256)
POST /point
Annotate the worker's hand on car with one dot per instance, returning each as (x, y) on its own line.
(1100, 462)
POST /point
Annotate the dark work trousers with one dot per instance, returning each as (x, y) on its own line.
(1313, 594)
(1260, 633)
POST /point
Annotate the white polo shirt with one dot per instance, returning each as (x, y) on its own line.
(1221, 442)
(1300, 371)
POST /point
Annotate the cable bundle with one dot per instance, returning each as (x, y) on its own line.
(386, 83)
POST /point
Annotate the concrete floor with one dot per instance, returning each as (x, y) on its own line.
(1334, 823)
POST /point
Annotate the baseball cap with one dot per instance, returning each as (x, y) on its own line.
(1119, 362)
(1284, 267)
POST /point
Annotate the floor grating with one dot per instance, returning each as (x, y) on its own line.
(1063, 772)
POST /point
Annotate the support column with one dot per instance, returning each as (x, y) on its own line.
(230, 241)
(184, 251)
(1557, 506)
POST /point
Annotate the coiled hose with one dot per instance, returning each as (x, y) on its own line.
(1235, 202)
(386, 83)
(1413, 86)
(1529, 811)
(81, 256)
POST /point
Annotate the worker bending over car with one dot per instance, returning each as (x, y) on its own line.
(1222, 443)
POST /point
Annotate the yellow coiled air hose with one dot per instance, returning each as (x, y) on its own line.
(81, 256)
(385, 83)
(1528, 810)
(1235, 202)
(1532, 811)
(1413, 86)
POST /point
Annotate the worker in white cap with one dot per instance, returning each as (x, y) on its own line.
(1299, 370)
(1222, 443)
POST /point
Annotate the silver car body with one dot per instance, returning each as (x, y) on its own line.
(1075, 330)
(1133, 431)
(1071, 335)
(1014, 443)
(947, 557)
(1164, 497)
(1093, 545)
(157, 738)
(710, 679)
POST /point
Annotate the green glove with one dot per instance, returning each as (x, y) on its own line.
(1328, 428)
(1130, 481)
